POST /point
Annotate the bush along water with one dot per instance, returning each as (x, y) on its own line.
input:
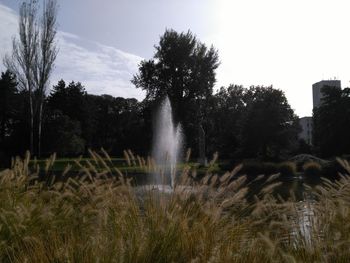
(288, 169)
(312, 169)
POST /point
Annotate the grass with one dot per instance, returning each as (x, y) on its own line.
(100, 217)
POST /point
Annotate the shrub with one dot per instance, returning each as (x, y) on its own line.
(312, 169)
(288, 168)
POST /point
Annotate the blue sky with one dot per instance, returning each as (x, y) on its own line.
(287, 44)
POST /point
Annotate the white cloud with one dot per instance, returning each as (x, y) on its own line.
(101, 69)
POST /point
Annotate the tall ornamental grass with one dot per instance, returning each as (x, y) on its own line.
(100, 216)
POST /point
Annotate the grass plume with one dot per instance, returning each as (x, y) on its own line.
(100, 217)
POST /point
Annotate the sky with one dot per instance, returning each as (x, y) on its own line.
(287, 44)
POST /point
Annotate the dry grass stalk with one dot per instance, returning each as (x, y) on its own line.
(102, 218)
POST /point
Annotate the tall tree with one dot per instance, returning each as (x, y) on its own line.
(66, 118)
(182, 68)
(118, 124)
(69, 99)
(44, 59)
(62, 134)
(13, 119)
(8, 92)
(224, 114)
(23, 55)
(33, 57)
(268, 125)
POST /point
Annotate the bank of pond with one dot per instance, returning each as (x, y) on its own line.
(293, 176)
(305, 169)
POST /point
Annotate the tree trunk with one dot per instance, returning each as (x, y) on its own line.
(31, 120)
(201, 145)
(2, 132)
(39, 126)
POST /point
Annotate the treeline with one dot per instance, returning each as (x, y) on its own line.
(73, 121)
(238, 122)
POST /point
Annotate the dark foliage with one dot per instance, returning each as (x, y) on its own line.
(252, 123)
(268, 126)
(332, 122)
(13, 118)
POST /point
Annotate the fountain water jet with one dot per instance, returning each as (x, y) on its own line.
(167, 142)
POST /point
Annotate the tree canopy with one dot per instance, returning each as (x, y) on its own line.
(269, 125)
(252, 122)
(332, 122)
(183, 69)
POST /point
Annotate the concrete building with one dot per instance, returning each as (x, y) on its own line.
(316, 90)
(306, 129)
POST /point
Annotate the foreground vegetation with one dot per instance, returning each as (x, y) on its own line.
(131, 164)
(100, 217)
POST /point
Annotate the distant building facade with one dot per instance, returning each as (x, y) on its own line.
(317, 87)
(306, 129)
(307, 122)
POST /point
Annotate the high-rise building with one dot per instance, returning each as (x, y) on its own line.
(317, 87)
